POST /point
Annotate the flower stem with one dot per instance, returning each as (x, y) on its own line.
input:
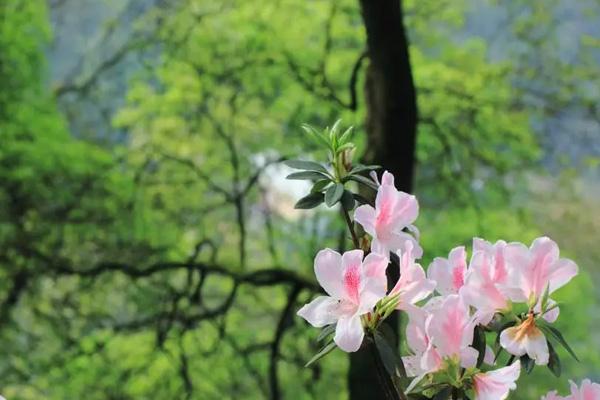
(351, 228)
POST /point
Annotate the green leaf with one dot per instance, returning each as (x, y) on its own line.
(320, 185)
(346, 135)
(556, 335)
(362, 168)
(361, 199)
(348, 200)
(319, 138)
(306, 165)
(334, 129)
(389, 355)
(307, 175)
(328, 348)
(443, 394)
(344, 147)
(527, 363)
(310, 201)
(553, 361)
(325, 332)
(545, 295)
(479, 344)
(334, 194)
(362, 180)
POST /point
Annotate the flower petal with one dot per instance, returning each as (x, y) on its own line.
(320, 312)
(495, 385)
(365, 216)
(349, 333)
(330, 273)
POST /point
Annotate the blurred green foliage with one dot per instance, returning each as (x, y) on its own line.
(225, 97)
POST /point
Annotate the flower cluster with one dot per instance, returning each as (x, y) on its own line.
(587, 391)
(502, 290)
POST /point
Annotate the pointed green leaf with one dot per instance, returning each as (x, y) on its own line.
(527, 363)
(320, 185)
(316, 136)
(361, 199)
(479, 344)
(310, 201)
(307, 175)
(334, 194)
(443, 394)
(545, 295)
(553, 361)
(325, 332)
(348, 200)
(362, 180)
(389, 356)
(328, 348)
(306, 165)
(556, 335)
(362, 168)
(346, 136)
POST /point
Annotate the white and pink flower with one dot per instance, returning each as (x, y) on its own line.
(354, 287)
(587, 391)
(393, 212)
(531, 272)
(449, 273)
(485, 283)
(441, 330)
(413, 285)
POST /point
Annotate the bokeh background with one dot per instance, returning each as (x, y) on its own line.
(149, 248)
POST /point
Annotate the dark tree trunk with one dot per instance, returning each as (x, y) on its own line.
(391, 135)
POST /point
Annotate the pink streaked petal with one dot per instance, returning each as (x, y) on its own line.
(385, 204)
(375, 265)
(374, 290)
(365, 216)
(405, 210)
(416, 336)
(431, 360)
(519, 281)
(320, 312)
(349, 333)
(495, 385)
(387, 179)
(353, 274)
(562, 272)
(451, 326)
(330, 273)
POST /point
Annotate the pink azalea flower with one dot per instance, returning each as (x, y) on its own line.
(354, 287)
(495, 385)
(413, 286)
(394, 211)
(587, 391)
(526, 338)
(442, 329)
(485, 282)
(452, 331)
(531, 270)
(553, 395)
(449, 273)
(529, 273)
(418, 337)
